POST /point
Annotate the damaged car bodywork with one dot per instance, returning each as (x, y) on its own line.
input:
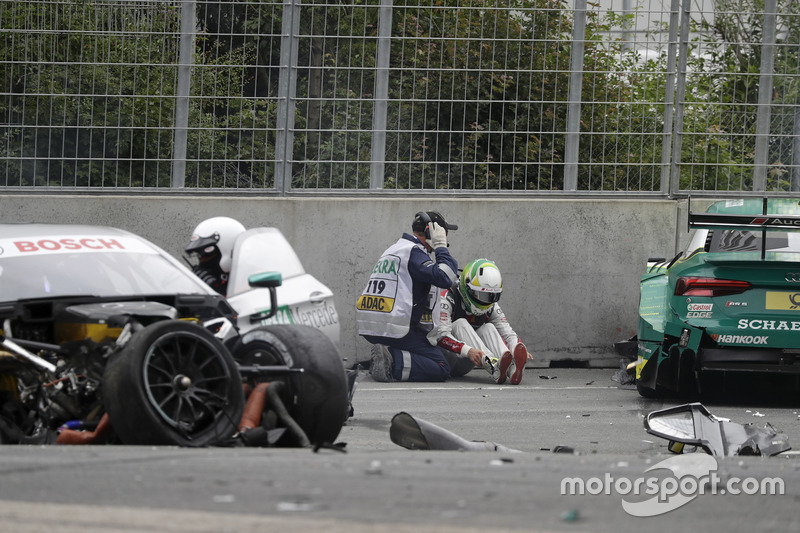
(107, 338)
(694, 425)
(729, 303)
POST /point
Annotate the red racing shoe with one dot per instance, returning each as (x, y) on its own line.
(520, 359)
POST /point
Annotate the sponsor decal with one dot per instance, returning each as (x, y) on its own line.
(317, 317)
(736, 304)
(777, 325)
(72, 244)
(375, 303)
(741, 339)
(784, 301)
(699, 314)
(381, 291)
(283, 316)
(386, 266)
(700, 307)
(778, 221)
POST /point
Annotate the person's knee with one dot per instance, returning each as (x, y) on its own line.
(436, 370)
(444, 372)
(488, 328)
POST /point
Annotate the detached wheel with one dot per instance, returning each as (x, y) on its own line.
(174, 383)
(317, 399)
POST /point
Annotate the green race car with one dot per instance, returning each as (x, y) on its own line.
(729, 303)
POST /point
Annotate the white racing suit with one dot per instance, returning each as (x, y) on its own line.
(455, 331)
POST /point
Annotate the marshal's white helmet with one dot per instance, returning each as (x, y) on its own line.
(480, 285)
(216, 233)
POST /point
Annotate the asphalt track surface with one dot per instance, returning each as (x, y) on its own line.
(377, 486)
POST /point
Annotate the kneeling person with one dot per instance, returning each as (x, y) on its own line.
(393, 311)
(469, 323)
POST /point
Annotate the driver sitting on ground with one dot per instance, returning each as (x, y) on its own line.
(471, 329)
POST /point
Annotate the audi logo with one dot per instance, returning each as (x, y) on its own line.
(792, 277)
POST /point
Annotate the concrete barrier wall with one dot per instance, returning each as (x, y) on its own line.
(570, 267)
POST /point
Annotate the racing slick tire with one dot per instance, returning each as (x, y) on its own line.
(175, 384)
(317, 398)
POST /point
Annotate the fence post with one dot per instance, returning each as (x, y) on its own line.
(680, 97)
(287, 88)
(669, 96)
(185, 59)
(764, 112)
(574, 98)
(376, 169)
(796, 151)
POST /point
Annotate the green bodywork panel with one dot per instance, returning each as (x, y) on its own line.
(767, 315)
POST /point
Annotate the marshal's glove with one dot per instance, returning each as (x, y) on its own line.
(438, 235)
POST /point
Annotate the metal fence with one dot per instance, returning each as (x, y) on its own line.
(269, 97)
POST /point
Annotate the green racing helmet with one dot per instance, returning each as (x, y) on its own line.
(480, 285)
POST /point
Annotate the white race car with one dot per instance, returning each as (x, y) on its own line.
(302, 298)
(104, 337)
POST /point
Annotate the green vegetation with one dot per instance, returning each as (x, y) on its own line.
(477, 97)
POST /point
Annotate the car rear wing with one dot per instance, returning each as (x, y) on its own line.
(763, 222)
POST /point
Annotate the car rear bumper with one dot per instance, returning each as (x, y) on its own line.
(749, 360)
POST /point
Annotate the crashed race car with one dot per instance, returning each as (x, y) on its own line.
(303, 299)
(106, 338)
(729, 305)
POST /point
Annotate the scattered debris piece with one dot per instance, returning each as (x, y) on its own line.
(547, 377)
(626, 375)
(374, 468)
(417, 434)
(295, 507)
(692, 424)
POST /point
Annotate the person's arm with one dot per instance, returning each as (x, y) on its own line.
(444, 332)
(442, 273)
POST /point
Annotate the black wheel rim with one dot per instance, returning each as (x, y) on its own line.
(187, 381)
